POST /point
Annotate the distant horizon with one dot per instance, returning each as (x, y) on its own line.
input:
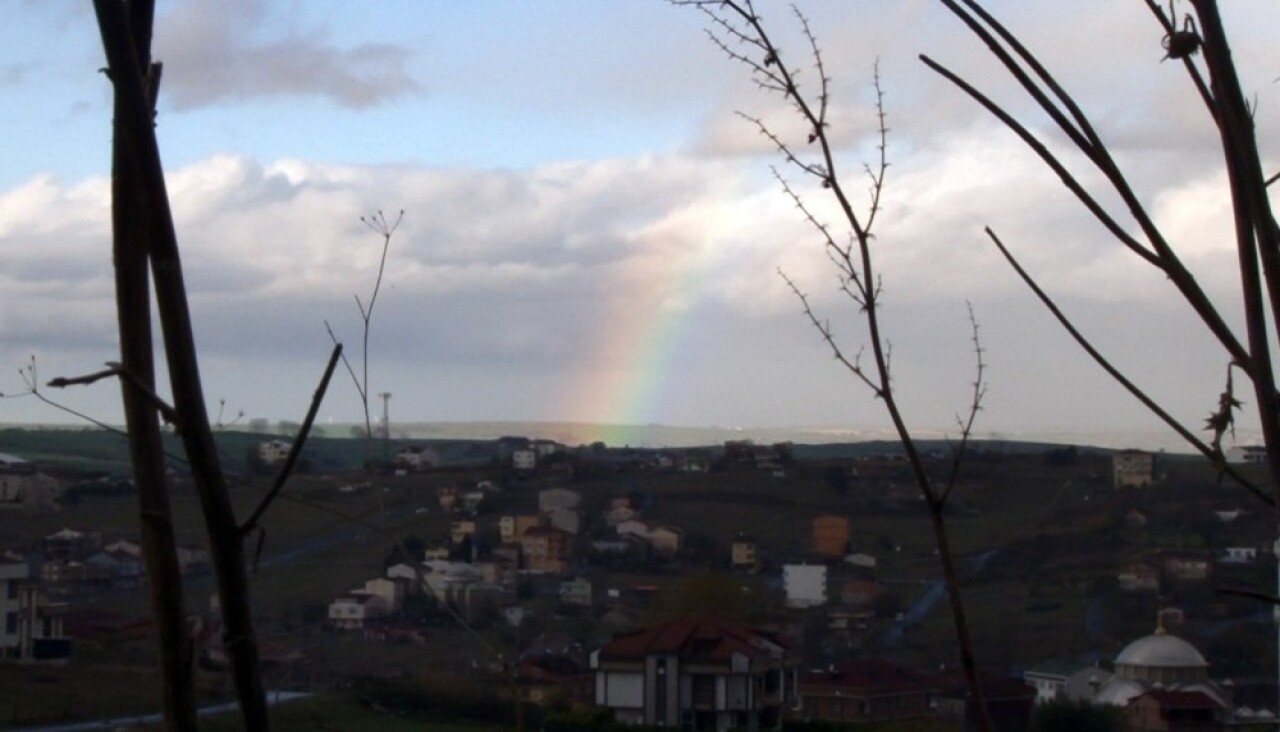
(677, 436)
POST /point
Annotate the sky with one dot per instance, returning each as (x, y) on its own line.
(591, 231)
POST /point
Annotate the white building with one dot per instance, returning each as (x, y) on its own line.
(273, 452)
(32, 627)
(524, 459)
(805, 585)
(352, 610)
(553, 498)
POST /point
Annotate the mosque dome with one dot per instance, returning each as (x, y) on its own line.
(1158, 661)
(1161, 650)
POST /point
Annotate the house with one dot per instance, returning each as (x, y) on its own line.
(1067, 679)
(351, 610)
(863, 692)
(32, 629)
(565, 519)
(1239, 555)
(619, 512)
(17, 477)
(449, 497)
(416, 458)
(696, 673)
(115, 569)
(633, 528)
(805, 585)
(666, 540)
(1132, 469)
(546, 448)
(1138, 577)
(545, 550)
(830, 536)
(744, 554)
(524, 459)
(461, 529)
(70, 544)
(273, 452)
(554, 498)
(391, 591)
(1247, 454)
(511, 528)
(1185, 569)
(577, 592)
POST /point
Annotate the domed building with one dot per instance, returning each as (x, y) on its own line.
(1163, 683)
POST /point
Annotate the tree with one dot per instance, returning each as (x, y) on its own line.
(145, 243)
(1070, 716)
(1199, 42)
(739, 31)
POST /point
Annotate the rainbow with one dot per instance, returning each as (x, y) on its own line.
(644, 328)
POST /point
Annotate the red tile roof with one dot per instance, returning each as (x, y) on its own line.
(694, 638)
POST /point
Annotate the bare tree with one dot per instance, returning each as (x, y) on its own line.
(738, 30)
(145, 243)
(385, 229)
(1200, 43)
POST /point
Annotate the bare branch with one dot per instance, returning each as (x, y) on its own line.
(975, 405)
(1215, 456)
(295, 450)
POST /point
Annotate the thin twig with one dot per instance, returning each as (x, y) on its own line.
(295, 450)
(1215, 457)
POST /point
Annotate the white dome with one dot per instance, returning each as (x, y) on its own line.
(1161, 650)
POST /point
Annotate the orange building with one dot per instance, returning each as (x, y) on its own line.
(545, 549)
(831, 536)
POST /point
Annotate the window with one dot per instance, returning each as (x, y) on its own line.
(11, 623)
(12, 591)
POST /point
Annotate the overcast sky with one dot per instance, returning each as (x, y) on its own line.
(590, 232)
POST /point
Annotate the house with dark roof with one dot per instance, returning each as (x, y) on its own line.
(696, 673)
(862, 692)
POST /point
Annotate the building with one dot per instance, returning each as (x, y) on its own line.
(578, 592)
(696, 674)
(1162, 683)
(1133, 469)
(666, 540)
(555, 498)
(862, 692)
(744, 554)
(511, 528)
(32, 629)
(805, 585)
(565, 519)
(350, 611)
(415, 458)
(545, 550)
(22, 485)
(273, 452)
(524, 459)
(1247, 454)
(831, 536)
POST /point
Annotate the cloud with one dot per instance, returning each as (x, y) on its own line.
(215, 54)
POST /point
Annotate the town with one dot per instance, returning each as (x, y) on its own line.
(731, 586)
